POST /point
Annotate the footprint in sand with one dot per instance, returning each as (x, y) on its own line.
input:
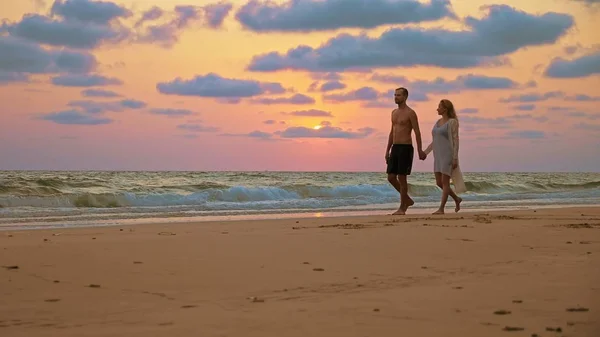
(559, 329)
(11, 267)
(318, 269)
(579, 309)
(502, 312)
(513, 328)
(52, 300)
(94, 286)
(480, 219)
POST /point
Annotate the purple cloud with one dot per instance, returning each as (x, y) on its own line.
(20, 56)
(297, 99)
(171, 112)
(74, 117)
(167, 34)
(485, 43)
(85, 80)
(309, 113)
(326, 132)
(88, 11)
(197, 127)
(213, 85)
(94, 107)
(99, 93)
(321, 15)
(584, 66)
(65, 33)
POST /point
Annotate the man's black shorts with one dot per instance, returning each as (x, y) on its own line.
(401, 159)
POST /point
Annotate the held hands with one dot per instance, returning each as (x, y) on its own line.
(422, 156)
(454, 164)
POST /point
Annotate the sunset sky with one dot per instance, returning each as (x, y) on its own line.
(296, 85)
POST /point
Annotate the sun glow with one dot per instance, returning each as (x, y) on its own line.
(317, 127)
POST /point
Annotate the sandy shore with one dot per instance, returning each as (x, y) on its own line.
(455, 275)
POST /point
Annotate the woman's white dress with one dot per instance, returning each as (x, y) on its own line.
(445, 149)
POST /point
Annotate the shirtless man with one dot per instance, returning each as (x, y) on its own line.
(399, 159)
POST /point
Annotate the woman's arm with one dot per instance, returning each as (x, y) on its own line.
(428, 149)
(454, 131)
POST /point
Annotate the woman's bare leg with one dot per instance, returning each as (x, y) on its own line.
(439, 180)
(457, 199)
(446, 191)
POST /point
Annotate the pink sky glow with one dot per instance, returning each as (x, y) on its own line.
(294, 86)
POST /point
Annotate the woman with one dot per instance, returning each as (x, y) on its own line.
(445, 155)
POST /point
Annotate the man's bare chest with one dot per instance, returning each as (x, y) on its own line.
(400, 118)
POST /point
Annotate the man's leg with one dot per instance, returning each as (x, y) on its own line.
(406, 201)
(406, 168)
(393, 179)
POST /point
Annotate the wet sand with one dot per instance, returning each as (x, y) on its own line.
(506, 273)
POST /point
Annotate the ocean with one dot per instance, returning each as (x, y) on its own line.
(51, 199)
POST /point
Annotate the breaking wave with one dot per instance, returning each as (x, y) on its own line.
(98, 194)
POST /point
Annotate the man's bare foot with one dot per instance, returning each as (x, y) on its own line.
(458, 205)
(439, 211)
(409, 203)
(399, 212)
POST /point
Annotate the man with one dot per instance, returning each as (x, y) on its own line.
(399, 160)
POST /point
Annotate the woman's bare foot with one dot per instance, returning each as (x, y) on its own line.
(439, 211)
(458, 205)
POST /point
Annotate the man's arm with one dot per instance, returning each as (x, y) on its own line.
(390, 140)
(414, 121)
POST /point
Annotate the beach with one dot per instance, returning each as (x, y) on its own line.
(500, 273)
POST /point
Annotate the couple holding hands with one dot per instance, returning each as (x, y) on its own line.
(400, 151)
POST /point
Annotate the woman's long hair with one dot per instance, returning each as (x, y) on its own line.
(450, 108)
